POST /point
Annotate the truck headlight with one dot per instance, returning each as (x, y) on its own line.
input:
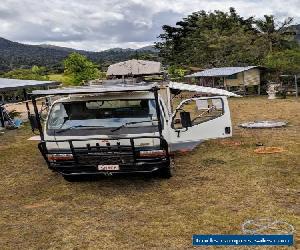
(59, 157)
(153, 153)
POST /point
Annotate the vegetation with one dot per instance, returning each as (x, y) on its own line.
(35, 73)
(64, 79)
(216, 39)
(285, 61)
(216, 188)
(277, 35)
(176, 73)
(80, 69)
(145, 55)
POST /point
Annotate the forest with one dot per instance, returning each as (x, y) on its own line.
(218, 39)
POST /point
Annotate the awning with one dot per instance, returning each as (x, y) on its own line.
(7, 84)
(95, 89)
(131, 88)
(201, 89)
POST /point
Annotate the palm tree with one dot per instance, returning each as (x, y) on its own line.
(275, 33)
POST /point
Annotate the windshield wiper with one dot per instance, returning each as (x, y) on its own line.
(129, 123)
(77, 126)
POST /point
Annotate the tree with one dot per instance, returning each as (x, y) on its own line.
(176, 73)
(277, 34)
(80, 69)
(284, 62)
(211, 39)
(218, 39)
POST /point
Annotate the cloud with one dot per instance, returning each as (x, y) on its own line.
(101, 24)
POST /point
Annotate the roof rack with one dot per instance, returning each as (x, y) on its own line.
(97, 89)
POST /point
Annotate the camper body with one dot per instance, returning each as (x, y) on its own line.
(125, 129)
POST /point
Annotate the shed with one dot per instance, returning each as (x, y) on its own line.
(231, 77)
(134, 68)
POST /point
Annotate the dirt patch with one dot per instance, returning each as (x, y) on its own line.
(230, 143)
(269, 150)
(45, 203)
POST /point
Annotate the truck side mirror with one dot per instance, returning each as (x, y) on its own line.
(33, 122)
(186, 121)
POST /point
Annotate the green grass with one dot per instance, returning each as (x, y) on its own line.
(216, 188)
(60, 78)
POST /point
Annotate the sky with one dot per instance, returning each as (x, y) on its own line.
(97, 25)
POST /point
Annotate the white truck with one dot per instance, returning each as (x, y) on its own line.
(121, 128)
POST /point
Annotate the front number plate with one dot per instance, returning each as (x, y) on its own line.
(108, 167)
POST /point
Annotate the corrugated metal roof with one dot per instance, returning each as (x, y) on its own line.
(219, 72)
(134, 67)
(11, 84)
(201, 89)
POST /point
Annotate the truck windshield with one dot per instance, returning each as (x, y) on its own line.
(114, 115)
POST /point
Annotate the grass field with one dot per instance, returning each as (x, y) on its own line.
(216, 188)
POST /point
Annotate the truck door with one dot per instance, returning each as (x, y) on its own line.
(198, 119)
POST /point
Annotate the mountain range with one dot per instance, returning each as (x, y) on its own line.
(17, 55)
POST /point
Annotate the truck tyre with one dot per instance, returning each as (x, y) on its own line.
(71, 178)
(166, 172)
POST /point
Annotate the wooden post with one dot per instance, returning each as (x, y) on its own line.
(1, 116)
(244, 82)
(26, 103)
(296, 85)
(224, 82)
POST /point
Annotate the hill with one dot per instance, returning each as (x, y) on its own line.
(17, 55)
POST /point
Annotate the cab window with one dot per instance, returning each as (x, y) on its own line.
(201, 110)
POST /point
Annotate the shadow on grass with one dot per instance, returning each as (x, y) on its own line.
(115, 178)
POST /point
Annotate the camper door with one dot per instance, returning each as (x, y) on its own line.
(198, 119)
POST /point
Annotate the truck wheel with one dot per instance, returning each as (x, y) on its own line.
(169, 171)
(165, 173)
(71, 178)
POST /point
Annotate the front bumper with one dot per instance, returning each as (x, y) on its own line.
(85, 160)
(139, 167)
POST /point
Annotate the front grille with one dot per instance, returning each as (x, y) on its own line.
(91, 159)
(110, 155)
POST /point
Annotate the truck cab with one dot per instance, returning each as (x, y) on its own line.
(125, 129)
